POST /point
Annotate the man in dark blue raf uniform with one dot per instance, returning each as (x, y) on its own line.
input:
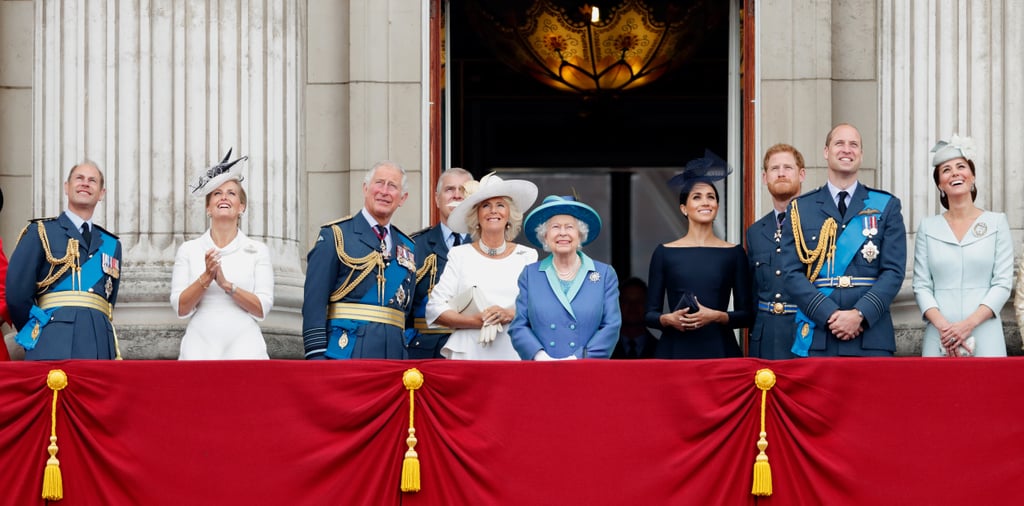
(63, 278)
(432, 247)
(361, 277)
(846, 254)
(772, 335)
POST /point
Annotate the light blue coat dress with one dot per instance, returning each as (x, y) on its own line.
(958, 276)
(585, 322)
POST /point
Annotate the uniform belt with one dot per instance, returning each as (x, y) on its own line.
(421, 325)
(777, 307)
(77, 299)
(366, 312)
(843, 282)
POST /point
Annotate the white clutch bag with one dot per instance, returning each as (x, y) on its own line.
(966, 349)
(470, 302)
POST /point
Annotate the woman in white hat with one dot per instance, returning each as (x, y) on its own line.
(963, 262)
(223, 279)
(568, 303)
(477, 292)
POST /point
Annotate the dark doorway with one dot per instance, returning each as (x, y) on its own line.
(612, 147)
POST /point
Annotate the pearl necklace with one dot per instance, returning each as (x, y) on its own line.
(571, 273)
(493, 252)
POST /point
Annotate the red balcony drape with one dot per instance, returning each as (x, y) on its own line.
(840, 431)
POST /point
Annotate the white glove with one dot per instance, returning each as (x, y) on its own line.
(488, 333)
(570, 357)
(542, 356)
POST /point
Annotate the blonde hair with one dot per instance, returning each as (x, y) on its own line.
(515, 220)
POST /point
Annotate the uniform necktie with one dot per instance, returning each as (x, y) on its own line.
(842, 203)
(781, 217)
(86, 233)
(456, 239)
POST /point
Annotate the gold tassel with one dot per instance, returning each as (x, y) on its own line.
(413, 380)
(53, 483)
(765, 380)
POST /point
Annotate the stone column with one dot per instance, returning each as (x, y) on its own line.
(154, 91)
(952, 66)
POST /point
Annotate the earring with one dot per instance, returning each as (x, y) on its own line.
(508, 226)
(208, 215)
(942, 194)
(974, 188)
(686, 215)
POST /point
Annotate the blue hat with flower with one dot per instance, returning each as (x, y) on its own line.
(708, 169)
(555, 205)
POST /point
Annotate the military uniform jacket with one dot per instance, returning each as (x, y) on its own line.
(72, 331)
(428, 242)
(889, 267)
(772, 334)
(325, 273)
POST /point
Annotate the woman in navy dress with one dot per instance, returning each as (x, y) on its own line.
(701, 271)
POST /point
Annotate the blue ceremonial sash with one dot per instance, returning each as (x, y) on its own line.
(91, 273)
(847, 245)
(394, 276)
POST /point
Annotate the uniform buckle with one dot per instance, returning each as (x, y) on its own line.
(778, 308)
(845, 281)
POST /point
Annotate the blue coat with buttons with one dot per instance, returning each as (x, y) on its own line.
(585, 322)
(772, 334)
(72, 332)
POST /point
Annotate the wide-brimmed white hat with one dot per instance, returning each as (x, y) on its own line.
(522, 192)
(212, 178)
(956, 147)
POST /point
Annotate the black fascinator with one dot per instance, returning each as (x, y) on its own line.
(217, 175)
(708, 169)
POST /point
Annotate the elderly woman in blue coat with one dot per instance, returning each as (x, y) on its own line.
(568, 303)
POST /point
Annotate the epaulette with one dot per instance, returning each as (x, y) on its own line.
(335, 222)
(30, 222)
(870, 189)
(105, 231)
(420, 232)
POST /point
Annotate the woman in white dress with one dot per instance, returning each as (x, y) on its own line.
(963, 263)
(493, 214)
(223, 279)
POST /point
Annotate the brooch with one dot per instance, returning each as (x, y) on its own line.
(595, 277)
(343, 340)
(980, 229)
(249, 248)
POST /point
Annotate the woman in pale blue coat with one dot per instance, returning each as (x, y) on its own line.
(568, 303)
(963, 263)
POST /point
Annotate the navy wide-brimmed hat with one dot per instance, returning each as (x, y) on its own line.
(212, 178)
(708, 169)
(555, 205)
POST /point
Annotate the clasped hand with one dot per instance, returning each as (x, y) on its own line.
(491, 323)
(953, 335)
(845, 324)
(213, 270)
(685, 321)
